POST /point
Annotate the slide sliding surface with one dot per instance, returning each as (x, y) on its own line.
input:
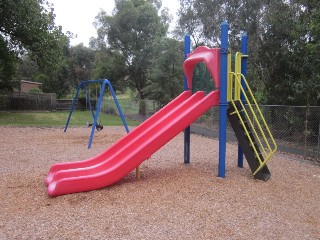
(130, 151)
(115, 147)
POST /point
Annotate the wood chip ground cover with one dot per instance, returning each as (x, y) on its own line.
(171, 201)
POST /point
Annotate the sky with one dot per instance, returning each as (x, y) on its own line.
(77, 16)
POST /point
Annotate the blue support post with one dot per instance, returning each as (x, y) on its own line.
(244, 51)
(102, 89)
(89, 101)
(103, 83)
(118, 106)
(187, 44)
(72, 106)
(103, 86)
(223, 98)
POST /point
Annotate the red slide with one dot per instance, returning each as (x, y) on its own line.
(130, 151)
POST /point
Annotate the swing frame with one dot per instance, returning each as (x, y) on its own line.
(104, 83)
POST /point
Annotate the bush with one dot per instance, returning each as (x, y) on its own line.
(111, 110)
(82, 100)
(142, 107)
(35, 90)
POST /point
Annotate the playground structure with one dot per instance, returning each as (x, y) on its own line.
(255, 139)
(95, 125)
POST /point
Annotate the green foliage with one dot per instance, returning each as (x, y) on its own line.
(54, 80)
(110, 65)
(142, 107)
(202, 80)
(35, 90)
(165, 76)
(27, 69)
(111, 110)
(82, 100)
(82, 96)
(283, 46)
(7, 66)
(132, 51)
(27, 27)
(131, 30)
(81, 63)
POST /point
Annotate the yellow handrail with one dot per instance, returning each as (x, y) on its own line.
(245, 128)
(252, 125)
(235, 89)
(237, 69)
(247, 131)
(229, 83)
(259, 111)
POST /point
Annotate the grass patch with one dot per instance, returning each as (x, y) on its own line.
(127, 95)
(58, 119)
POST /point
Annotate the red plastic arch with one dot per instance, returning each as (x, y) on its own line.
(210, 56)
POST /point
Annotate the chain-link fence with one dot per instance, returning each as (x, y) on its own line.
(296, 129)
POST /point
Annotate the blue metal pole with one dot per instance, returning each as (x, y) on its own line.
(223, 98)
(89, 101)
(118, 106)
(103, 86)
(187, 45)
(72, 106)
(244, 51)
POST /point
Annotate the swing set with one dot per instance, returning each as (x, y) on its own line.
(104, 83)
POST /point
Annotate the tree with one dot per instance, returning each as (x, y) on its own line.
(306, 88)
(110, 65)
(27, 26)
(131, 30)
(290, 71)
(283, 54)
(54, 66)
(81, 62)
(189, 23)
(7, 66)
(26, 69)
(165, 76)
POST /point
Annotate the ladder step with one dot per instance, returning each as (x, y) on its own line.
(251, 151)
(260, 156)
(235, 112)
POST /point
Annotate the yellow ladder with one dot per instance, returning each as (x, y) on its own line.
(256, 122)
